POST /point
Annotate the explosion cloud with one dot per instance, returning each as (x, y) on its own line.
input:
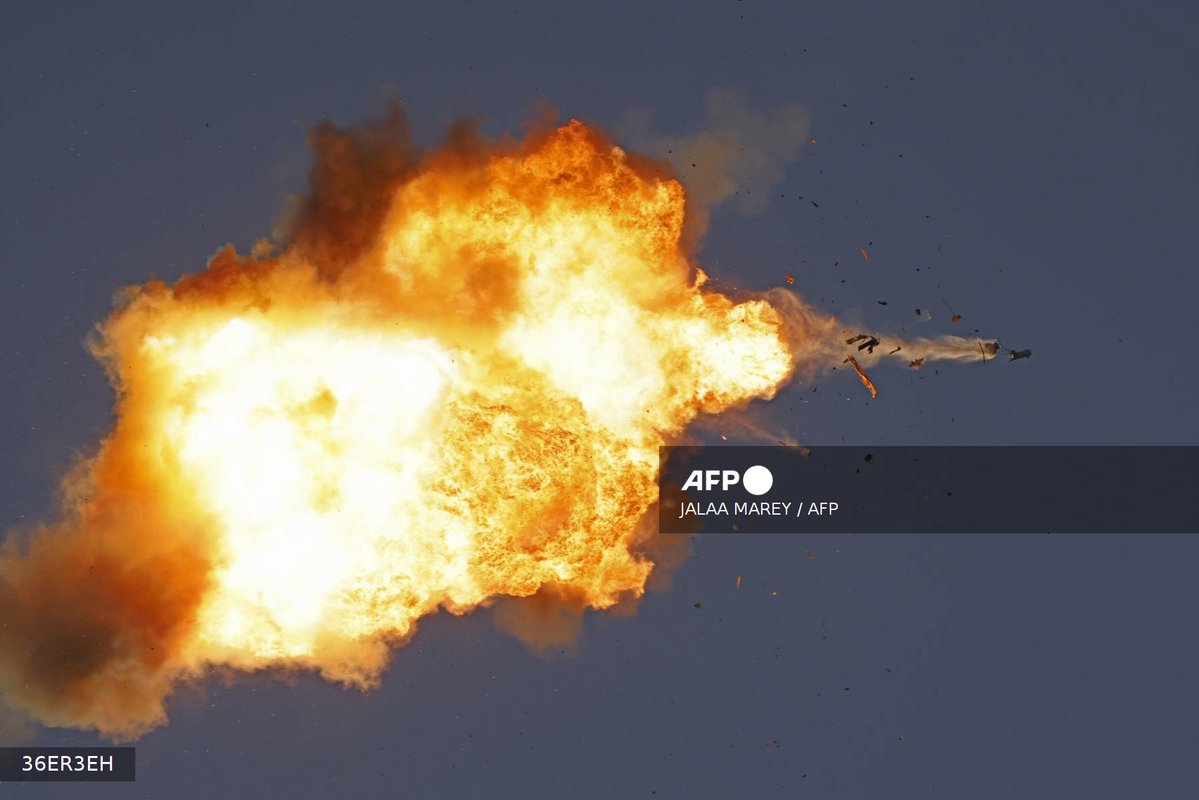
(446, 388)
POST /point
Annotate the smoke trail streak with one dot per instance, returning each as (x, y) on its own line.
(818, 339)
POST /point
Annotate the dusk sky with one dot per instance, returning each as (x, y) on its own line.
(1029, 167)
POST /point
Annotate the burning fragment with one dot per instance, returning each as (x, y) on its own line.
(862, 376)
(916, 363)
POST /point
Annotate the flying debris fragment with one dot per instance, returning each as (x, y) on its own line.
(869, 384)
(868, 343)
(916, 363)
(955, 316)
(1012, 355)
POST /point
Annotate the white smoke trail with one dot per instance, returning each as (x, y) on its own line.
(821, 340)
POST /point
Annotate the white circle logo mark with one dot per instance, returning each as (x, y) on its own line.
(757, 480)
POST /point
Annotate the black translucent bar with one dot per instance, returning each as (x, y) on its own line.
(934, 490)
(67, 764)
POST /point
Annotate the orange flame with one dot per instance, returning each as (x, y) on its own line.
(449, 388)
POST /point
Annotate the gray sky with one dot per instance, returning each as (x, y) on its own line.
(1030, 167)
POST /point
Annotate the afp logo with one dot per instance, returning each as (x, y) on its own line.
(757, 480)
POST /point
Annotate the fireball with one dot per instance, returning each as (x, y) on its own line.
(447, 386)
